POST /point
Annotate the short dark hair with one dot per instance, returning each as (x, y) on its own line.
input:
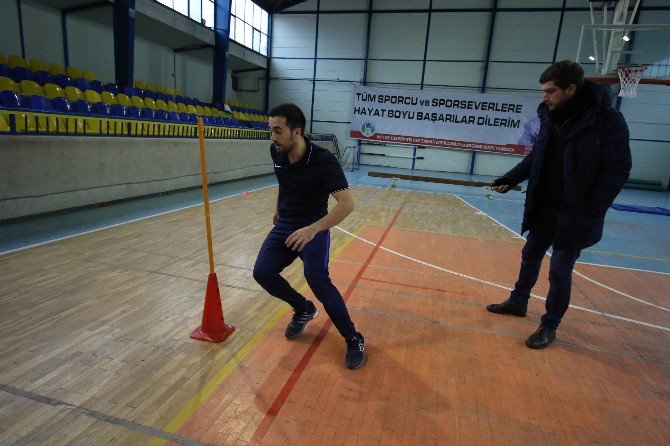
(563, 74)
(295, 118)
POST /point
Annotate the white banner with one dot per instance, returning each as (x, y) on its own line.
(443, 118)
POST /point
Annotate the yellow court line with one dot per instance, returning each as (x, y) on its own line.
(206, 392)
(203, 394)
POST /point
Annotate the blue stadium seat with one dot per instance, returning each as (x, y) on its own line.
(5, 71)
(130, 92)
(151, 94)
(82, 84)
(21, 73)
(160, 114)
(174, 117)
(40, 103)
(101, 109)
(134, 112)
(63, 81)
(119, 110)
(162, 96)
(43, 78)
(97, 86)
(11, 99)
(112, 88)
(83, 107)
(188, 117)
(63, 105)
(148, 113)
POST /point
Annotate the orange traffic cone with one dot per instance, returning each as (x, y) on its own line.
(213, 328)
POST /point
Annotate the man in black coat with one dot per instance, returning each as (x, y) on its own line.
(579, 163)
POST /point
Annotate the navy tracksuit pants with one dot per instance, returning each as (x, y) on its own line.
(274, 256)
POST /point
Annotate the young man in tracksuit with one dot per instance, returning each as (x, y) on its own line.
(580, 161)
(307, 175)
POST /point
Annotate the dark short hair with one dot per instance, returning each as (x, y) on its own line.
(295, 118)
(563, 74)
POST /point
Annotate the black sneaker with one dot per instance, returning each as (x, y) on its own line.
(355, 357)
(297, 324)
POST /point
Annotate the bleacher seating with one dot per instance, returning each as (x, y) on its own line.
(36, 97)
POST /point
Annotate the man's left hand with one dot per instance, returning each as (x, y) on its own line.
(301, 237)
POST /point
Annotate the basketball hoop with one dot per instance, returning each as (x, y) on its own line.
(629, 77)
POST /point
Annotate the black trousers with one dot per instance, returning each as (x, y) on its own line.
(540, 238)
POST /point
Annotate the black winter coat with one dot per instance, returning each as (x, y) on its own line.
(596, 165)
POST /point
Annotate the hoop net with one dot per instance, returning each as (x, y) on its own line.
(629, 77)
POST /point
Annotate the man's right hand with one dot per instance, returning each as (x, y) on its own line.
(501, 185)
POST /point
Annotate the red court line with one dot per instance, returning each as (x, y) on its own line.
(283, 395)
(417, 287)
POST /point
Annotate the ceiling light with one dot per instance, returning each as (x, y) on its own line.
(592, 58)
(626, 38)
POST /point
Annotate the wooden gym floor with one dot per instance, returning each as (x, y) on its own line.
(94, 345)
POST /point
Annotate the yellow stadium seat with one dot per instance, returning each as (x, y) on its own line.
(3, 59)
(21, 121)
(17, 61)
(191, 109)
(8, 84)
(208, 111)
(162, 105)
(150, 103)
(30, 88)
(181, 107)
(138, 101)
(199, 110)
(92, 96)
(37, 65)
(4, 125)
(56, 69)
(90, 76)
(172, 107)
(150, 86)
(160, 89)
(123, 99)
(74, 94)
(50, 123)
(74, 73)
(71, 125)
(93, 125)
(108, 98)
(170, 91)
(140, 85)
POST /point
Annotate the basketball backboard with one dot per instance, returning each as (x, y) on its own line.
(619, 36)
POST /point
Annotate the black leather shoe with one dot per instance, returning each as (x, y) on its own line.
(541, 338)
(508, 307)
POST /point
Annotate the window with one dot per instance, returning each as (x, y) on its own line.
(181, 6)
(208, 13)
(248, 21)
(195, 10)
(249, 25)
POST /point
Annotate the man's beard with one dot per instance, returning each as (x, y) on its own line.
(287, 149)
